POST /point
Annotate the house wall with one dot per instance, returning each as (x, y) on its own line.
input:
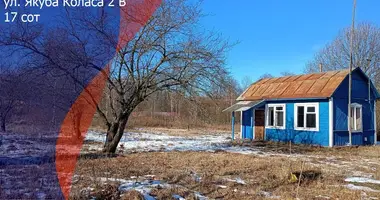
(247, 130)
(360, 96)
(320, 137)
(360, 93)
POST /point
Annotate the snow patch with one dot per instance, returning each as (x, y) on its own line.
(236, 180)
(145, 187)
(147, 142)
(322, 197)
(268, 195)
(178, 197)
(362, 188)
(199, 196)
(361, 180)
(105, 179)
(221, 186)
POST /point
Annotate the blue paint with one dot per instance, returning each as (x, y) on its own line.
(365, 138)
(359, 87)
(359, 96)
(320, 137)
(247, 126)
(340, 116)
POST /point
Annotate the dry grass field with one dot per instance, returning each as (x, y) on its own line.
(320, 174)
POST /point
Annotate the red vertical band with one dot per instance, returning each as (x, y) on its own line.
(133, 16)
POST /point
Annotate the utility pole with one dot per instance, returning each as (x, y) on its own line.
(369, 82)
(350, 74)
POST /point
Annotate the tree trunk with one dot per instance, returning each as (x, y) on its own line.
(2, 127)
(114, 135)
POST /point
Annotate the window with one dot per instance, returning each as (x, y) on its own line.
(356, 117)
(306, 116)
(275, 116)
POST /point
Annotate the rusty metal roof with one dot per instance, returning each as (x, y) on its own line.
(317, 85)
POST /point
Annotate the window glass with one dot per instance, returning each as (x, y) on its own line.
(310, 109)
(357, 112)
(275, 116)
(271, 116)
(353, 118)
(280, 118)
(300, 116)
(358, 119)
(311, 120)
(306, 116)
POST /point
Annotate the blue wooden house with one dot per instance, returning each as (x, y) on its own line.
(309, 109)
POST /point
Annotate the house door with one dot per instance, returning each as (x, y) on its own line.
(259, 124)
(247, 132)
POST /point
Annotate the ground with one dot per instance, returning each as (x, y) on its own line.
(198, 164)
(182, 164)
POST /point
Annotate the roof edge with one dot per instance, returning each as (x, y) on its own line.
(377, 94)
(292, 99)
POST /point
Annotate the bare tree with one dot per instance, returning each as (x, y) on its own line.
(7, 100)
(170, 52)
(336, 54)
(13, 92)
(167, 54)
(287, 73)
(266, 75)
(246, 82)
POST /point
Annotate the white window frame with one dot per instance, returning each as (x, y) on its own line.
(274, 106)
(306, 105)
(356, 105)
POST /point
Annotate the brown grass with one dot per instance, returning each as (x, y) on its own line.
(341, 160)
(170, 124)
(280, 147)
(269, 174)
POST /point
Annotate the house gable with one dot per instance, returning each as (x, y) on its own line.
(359, 87)
(360, 91)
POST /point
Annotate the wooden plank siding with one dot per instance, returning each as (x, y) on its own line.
(320, 137)
(359, 96)
(330, 91)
